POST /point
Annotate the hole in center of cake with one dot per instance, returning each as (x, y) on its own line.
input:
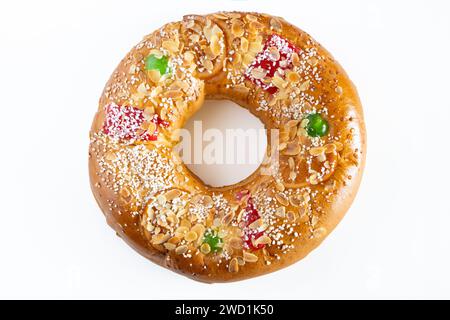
(223, 143)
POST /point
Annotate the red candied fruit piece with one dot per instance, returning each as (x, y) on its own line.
(241, 194)
(251, 215)
(124, 122)
(263, 60)
(248, 240)
(160, 122)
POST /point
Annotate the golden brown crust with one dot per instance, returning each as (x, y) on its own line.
(163, 211)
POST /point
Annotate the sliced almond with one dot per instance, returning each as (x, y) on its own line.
(313, 178)
(215, 45)
(189, 23)
(339, 146)
(316, 151)
(181, 249)
(291, 216)
(313, 61)
(258, 73)
(154, 75)
(248, 58)
(241, 215)
(234, 15)
(170, 45)
(172, 219)
(209, 66)
(199, 229)
(188, 57)
(233, 267)
(292, 149)
(306, 196)
(142, 89)
(255, 26)
(161, 221)
(170, 246)
(256, 224)
(275, 24)
(191, 236)
(185, 223)
(181, 231)
(195, 38)
(282, 198)
(220, 16)
(207, 30)
(244, 44)
(255, 47)
(322, 157)
(151, 127)
(250, 257)
(149, 112)
(301, 132)
(283, 63)
(292, 175)
(314, 220)
(173, 94)
(292, 133)
(208, 201)
(174, 240)
(279, 82)
(279, 186)
(295, 59)
(304, 123)
(280, 212)
(291, 163)
(241, 261)
(157, 53)
(172, 194)
(163, 112)
(330, 148)
(262, 240)
(237, 29)
(296, 200)
(132, 69)
(319, 232)
(161, 200)
(216, 31)
(305, 85)
(226, 220)
(292, 123)
(160, 238)
(250, 17)
(150, 213)
(242, 89)
(273, 53)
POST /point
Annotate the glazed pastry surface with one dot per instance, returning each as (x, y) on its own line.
(282, 211)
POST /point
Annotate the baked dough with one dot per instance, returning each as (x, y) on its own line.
(266, 222)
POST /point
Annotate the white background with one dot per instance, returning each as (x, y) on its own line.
(55, 57)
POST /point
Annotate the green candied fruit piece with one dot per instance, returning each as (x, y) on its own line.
(213, 240)
(317, 126)
(152, 62)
